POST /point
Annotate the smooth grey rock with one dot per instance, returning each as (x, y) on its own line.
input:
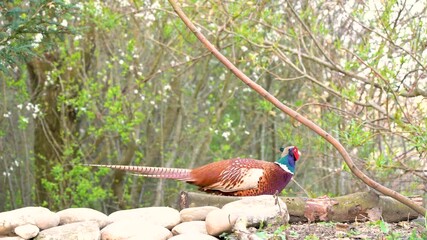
(219, 221)
(12, 238)
(41, 217)
(27, 231)
(251, 210)
(257, 209)
(193, 236)
(420, 221)
(190, 227)
(134, 229)
(72, 215)
(88, 230)
(164, 216)
(195, 213)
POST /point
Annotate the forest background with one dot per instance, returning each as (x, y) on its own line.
(125, 82)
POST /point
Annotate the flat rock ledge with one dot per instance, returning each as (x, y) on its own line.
(150, 223)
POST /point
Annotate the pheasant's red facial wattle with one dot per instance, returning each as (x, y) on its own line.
(296, 153)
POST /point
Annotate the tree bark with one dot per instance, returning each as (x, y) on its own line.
(55, 130)
(48, 146)
(361, 206)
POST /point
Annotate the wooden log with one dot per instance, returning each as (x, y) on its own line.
(361, 206)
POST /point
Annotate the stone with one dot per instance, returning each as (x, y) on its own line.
(12, 238)
(265, 208)
(72, 215)
(193, 236)
(195, 213)
(164, 216)
(88, 230)
(219, 221)
(251, 210)
(134, 229)
(41, 217)
(27, 231)
(190, 227)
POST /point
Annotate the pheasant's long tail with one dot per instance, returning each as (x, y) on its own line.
(153, 172)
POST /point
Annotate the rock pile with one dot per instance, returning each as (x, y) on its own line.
(156, 223)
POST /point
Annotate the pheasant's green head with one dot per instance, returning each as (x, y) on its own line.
(288, 158)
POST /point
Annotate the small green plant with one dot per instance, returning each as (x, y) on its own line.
(311, 237)
(327, 224)
(75, 187)
(394, 236)
(279, 232)
(293, 234)
(384, 227)
(226, 236)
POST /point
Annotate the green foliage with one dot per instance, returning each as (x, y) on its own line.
(355, 135)
(75, 187)
(294, 234)
(311, 237)
(350, 92)
(22, 122)
(419, 137)
(279, 232)
(25, 27)
(384, 227)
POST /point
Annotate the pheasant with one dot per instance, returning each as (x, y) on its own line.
(232, 177)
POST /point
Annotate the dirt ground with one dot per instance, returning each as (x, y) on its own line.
(413, 230)
(369, 230)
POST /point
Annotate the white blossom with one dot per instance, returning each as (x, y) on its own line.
(29, 106)
(64, 23)
(79, 5)
(36, 108)
(226, 135)
(7, 115)
(78, 37)
(37, 39)
(155, 5)
(167, 87)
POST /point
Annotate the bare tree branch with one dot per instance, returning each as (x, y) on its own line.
(356, 171)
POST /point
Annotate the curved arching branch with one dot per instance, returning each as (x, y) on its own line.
(264, 93)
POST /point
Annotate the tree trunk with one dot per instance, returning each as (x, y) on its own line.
(361, 206)
(48, 142)
(51, 130)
